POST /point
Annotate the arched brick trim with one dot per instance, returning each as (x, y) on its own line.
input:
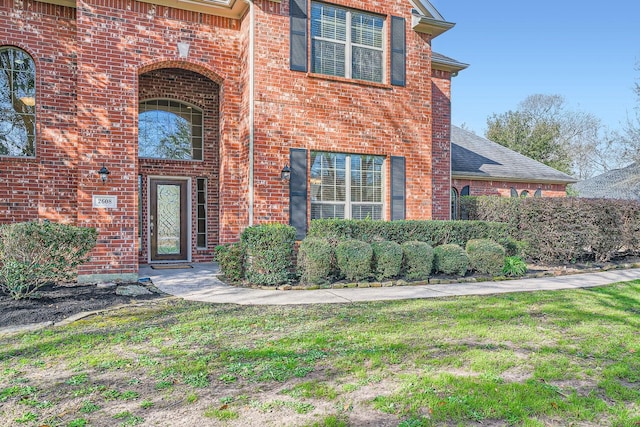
(185, 64)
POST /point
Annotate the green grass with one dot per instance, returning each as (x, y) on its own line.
(526, 359)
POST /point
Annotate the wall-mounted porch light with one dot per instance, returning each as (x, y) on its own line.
(104, 173)
(285, 174)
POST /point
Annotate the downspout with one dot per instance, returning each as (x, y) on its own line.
(251, 105)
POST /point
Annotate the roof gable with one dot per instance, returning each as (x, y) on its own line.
(427, 9)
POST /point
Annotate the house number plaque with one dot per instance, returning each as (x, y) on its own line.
(105, 202)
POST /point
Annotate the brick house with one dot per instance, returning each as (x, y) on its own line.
(480, 167)
(196, 110)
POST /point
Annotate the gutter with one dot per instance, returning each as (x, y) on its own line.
(532, 180)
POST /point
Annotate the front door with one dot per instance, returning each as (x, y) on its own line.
(168, 220)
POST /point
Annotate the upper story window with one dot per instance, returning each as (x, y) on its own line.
(169, 129)
(346, 186)
(17, 103)
(347, 43)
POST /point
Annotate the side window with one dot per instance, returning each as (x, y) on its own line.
(454, 204)
(17, 103)
(169, 129)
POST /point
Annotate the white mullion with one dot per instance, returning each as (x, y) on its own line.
(347, 196)
(347, 52)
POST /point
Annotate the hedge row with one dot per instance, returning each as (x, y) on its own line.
(434, 233)
(564, 230)
(265, 253)
(320, 262)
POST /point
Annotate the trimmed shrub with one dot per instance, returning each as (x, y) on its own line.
(418, 260)
(354, 259)
(387, 259)
(485, 256)
(316, 261)
(431, 232)
(36, 254)
(451, 259)
(231, 260)
(268, 253)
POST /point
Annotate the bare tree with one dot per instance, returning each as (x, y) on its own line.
(543, 128)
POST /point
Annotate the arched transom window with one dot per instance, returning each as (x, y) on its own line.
(169, 129)
(17, 103)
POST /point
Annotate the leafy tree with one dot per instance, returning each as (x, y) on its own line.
(543, 128)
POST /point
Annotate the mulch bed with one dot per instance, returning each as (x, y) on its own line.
(56, 303)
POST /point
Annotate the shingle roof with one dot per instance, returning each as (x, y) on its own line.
(616, 184)
(453, 64)
(475, 157)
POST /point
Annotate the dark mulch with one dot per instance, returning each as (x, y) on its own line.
(55, 303)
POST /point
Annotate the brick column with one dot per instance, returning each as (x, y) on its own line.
(106, 99)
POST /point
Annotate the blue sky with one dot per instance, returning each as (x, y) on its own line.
(586, 51)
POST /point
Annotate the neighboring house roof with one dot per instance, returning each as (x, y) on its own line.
(474, 157)
(441, 62)
(616, 184)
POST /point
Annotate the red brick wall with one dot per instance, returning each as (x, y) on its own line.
(503, 188)
(334, 114)
(441, 160)
(43, 186)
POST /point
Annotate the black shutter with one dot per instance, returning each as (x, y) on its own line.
(298, 35)
(398, 51)
(398, 184)
(298, 192)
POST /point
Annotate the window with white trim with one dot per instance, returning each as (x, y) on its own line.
(346, 186)
(347, 43)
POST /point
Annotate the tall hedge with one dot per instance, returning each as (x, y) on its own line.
(432, 232)
(268, 253)
(564, 230)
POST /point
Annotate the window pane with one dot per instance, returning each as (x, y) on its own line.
(366, 29)
(321, 210)
(328, 58)
(366, 211)
(166, 130)
(328, 22)
(17, 103)
(366, 64)
(327, 177)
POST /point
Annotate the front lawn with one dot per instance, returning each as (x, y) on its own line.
(532, 359)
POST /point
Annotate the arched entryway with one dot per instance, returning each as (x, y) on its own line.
(178, 165)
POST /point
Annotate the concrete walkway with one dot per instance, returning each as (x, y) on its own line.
(201, 283)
